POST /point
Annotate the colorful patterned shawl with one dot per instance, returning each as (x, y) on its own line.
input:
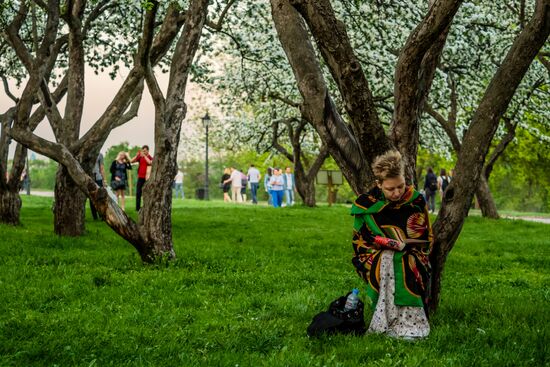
(406, 218)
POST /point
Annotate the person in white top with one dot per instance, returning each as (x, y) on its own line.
(178, 181)
(290, 186)
(277, 187)
(236, 185)
(254, 181)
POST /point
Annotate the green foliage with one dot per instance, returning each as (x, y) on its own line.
(43, 174)
(245, 286)
(522, 180)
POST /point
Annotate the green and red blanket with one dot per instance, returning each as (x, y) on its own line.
(400, 220)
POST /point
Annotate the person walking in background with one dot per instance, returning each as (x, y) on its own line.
(442, 182)
(267, 185)
(277, 187)
(289, 187)
(254, 181)
(26, 182)
(98, 174)
(119, 177)
(226, 186)
(236, 182)
(144, 160)
(178, 181)
(430, 188)
(244, 183)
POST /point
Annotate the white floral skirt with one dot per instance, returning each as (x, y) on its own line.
(396, 321)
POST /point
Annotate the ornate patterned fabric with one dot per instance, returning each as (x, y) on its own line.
(400, 220)
(396, 321)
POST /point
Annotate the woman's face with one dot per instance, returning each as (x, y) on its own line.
(393, 188)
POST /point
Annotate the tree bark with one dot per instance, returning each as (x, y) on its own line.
(10, 207)
(69, 205)
(318, 107)
(414, 75)
(485, 199)
(333, 42)
(305, 188)
(10, 183)
(477, 140)
(155, 219)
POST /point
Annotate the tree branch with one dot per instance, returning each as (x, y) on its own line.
(146, 44)
(318, 107)
(318, 163)
(275, 139)
(542, 58)
(414, 74)
(501, 146)
(7, 90)
(445, 124)
(283, 99)
(134, 107)
(76, 89)
(333, 42)
(218, 25)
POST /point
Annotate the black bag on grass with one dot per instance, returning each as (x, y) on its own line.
(336, 321)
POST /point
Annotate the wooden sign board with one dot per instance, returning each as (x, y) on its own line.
(335, 177)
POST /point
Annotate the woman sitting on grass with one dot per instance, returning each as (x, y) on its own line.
(392, 238)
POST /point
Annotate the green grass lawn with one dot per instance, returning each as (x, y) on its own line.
(245, 285)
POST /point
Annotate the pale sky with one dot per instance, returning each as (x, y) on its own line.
(100, 90)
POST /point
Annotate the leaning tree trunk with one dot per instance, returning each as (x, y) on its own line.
(477, 140)
(69, 205)
(485, 199)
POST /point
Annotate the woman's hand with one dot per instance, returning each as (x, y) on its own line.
(389, 243)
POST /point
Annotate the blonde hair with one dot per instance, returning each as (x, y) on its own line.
(388, 165)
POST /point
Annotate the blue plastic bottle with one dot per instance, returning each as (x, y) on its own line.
(352, 300)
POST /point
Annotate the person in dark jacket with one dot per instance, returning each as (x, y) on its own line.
(119, 177)
(430, 188)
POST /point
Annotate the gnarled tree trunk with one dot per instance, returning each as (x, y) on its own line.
(306, 189)
(152, 237)
(10, 207)
(69, 205)
(10, 183)
(477, 140)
